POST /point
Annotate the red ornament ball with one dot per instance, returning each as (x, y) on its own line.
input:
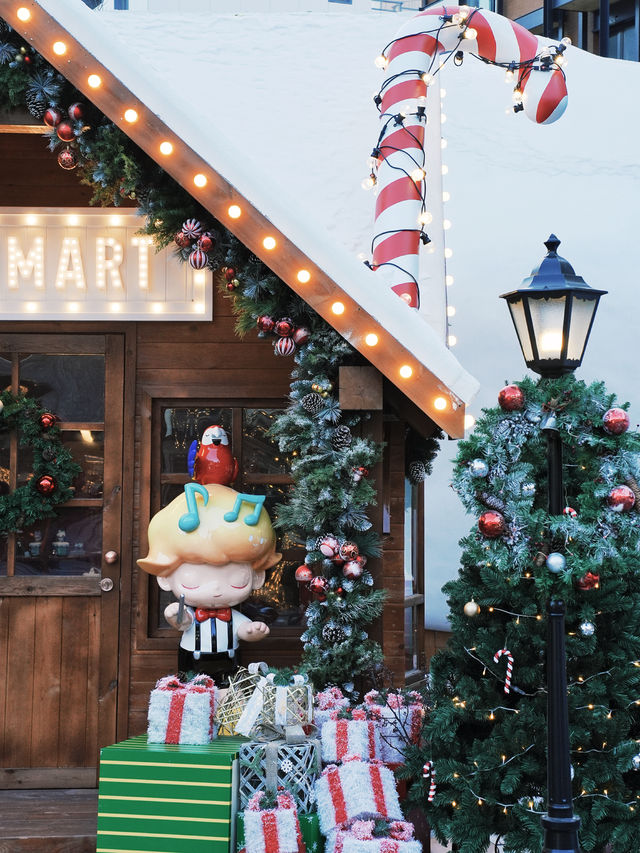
(67, 159)
(76, 111)
(510, 398)
(589, 581)
(65, 131)
(349, 551)
(615, 421)
(491, 524)
(229, 273)
(265, 323)
(284, 327)
(319, 586)
(192, 229)
(52, 117)
(198, 259)
(284, 346)
(231, 285)
(47, 420)
(46, 485)
(621, 499)
(352, 570)
(182, 240)
(303, 574)
(205, 243)
(301, 336)
(328, 546)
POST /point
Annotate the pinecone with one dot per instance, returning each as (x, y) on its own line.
(492, 501)
(312, 403)
(333, 634)
(341, 438)
(417, 472)
(36, 104)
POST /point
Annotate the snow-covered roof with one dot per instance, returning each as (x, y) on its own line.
(253, 127)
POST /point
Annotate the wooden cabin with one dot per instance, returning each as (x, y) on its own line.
(83, 636)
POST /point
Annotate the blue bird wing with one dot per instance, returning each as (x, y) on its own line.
(191, 456)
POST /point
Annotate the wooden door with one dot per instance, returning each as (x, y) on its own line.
(59, 596)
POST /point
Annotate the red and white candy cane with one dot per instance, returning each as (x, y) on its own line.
(399, 154)
(429, 772)
(509, 657)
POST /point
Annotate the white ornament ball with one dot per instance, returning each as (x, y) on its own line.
(528, 489)
(587, 629)
(471, 608)
(478, 468)
(556, 562)
(635, 762)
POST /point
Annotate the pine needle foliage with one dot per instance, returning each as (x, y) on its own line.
(489, 747)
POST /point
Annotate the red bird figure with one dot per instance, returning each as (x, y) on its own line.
(211, 461)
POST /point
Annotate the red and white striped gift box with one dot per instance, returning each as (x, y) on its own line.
(274, 830)
(356, 737)
(182, 712)
(353, 790)
(359, 838)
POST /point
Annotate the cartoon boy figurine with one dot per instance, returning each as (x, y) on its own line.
(211, 547)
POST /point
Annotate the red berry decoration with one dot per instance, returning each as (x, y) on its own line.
(352, 570)
(52, 117)
(205, 243)
(65, 131)
(615, 421)
(284, 346)
(265, 323)
(349, 551)
(67, 159)
(192, 229)
(182, 240)
(76, 112)
(319, 586)
(328, 546)
(46, 485)
(47, 420)
(358, 473)
(621, 499)
(491, 524)
(229, 273)
(303, 574)
(589, 581)
(284, 327)
(301, 336)
(198, 259)
(510, 398)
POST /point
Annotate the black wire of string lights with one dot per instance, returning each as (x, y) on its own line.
(548, 59)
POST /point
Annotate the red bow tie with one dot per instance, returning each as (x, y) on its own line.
(204, 613)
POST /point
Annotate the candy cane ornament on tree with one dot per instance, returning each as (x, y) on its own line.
(509, 656)
(411, 61)
(429, 772)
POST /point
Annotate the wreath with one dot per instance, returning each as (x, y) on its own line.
(53, 467)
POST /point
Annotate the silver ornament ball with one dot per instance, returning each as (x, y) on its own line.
(528, 489)
(635, 762)
(556, 562)
(478, 468)
(587, 629)
(471, 608)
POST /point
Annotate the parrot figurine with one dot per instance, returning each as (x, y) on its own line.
(211, 460)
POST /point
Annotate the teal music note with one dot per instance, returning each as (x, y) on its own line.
(251, 519)
(190, 521)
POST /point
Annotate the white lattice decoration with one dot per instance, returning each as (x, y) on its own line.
(240, 690)
(267, 765)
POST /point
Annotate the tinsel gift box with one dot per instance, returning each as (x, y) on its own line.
(309, 826)
(326, 702)
(279, 701)
(175, 798)
(354, 790)
(272, 830)
(353, 735)
(182, 712)
(399, 722)
(360, 838)
(273, 764)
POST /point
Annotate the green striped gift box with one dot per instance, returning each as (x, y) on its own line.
(168, 798)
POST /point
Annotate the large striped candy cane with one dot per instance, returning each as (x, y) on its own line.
(509, 657)
(429, 772)
(411, 61)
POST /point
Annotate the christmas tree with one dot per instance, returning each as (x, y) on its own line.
(486, 733)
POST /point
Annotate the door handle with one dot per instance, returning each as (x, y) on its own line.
(106, 584)
(111, 557)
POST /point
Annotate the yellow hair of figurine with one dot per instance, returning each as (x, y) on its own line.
(214, 541)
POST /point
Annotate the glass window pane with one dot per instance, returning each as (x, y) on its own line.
(520, 323)
(260, 454)
(3, 556)
(87, 448)
(581, 317)
(70, 386)
(410, 657)
(70, 544)
(180, 426)
(547, 316)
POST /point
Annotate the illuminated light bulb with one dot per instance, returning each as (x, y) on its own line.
(448, 280)
(446, 224)
(59, 48)
(269, 243)
(448, 253)
(166, 148)
(508, 75)
(504, 758)
(560, 60)
(470, 33)
(406, 371)
(33, 264)
(157, 307)
(428, 78)
(469, 421)
(303, 276)
(143, 245)
(114, 220)
(551, 341)
(454, 804)
(381, 62)
(70, 267)
(200, 180)
(199, 277)
(94, 80)
(131, 115)
(518, 96)
(479, 801)
(590, 707)
(425, 218)
(539, 617)
(23, 14)
(338, 308)
(566, 41)
(73, 219)
(234, 211)
(451, 311)
(443, 143)
(115, 307)
(368, 183)
(443, 118)
(199, 307)
(73, 307)
(418, 175)
(452, 340)
(108, 265)
(446, 196)
(406, 297)
(440, 403)
(86, 436)
(31, 307)
(445, 169)
(492, 716)
(443, 93)
(371, 339)
(421, 101)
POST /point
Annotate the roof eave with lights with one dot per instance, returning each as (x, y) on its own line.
(406, 350)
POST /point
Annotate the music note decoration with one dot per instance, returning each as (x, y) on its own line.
(252, 518)
(190, 521)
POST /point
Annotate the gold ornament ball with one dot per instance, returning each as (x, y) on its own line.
(471, 608)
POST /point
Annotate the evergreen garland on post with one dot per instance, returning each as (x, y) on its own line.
(488, 747)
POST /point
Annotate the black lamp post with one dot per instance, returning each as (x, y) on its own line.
(553, 313)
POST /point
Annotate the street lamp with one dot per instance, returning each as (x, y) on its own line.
(553, 313)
